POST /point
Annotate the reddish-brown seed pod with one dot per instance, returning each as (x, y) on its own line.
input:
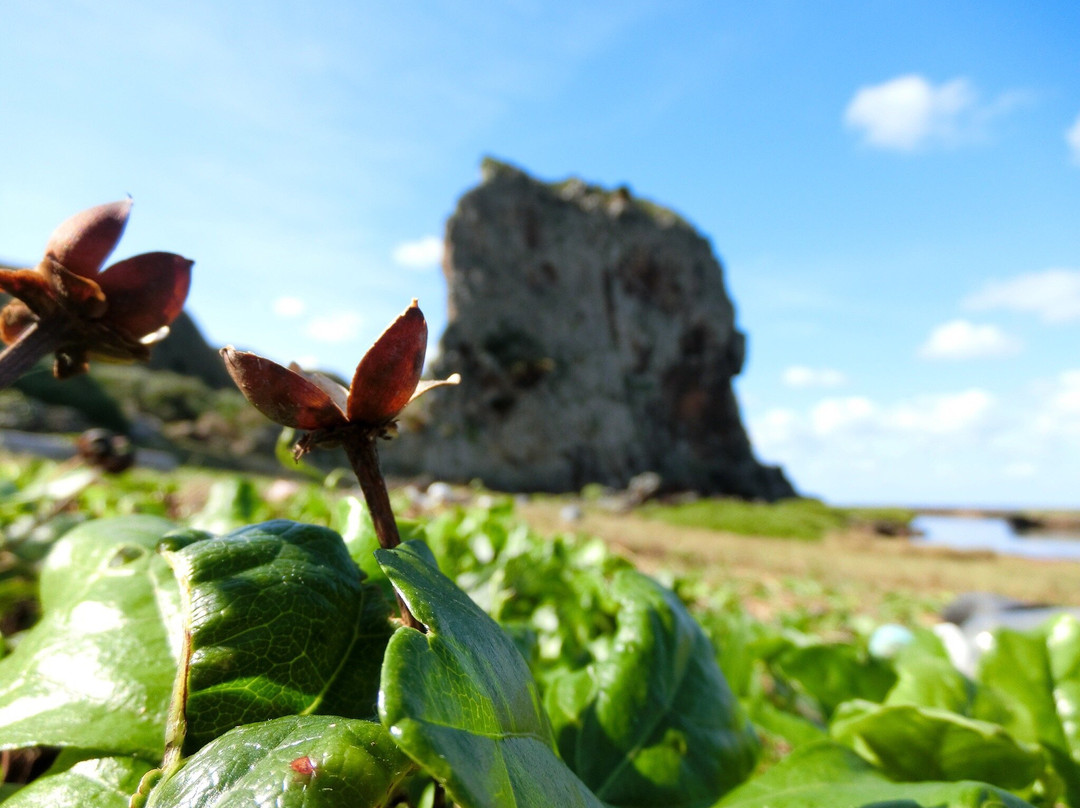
(83, 242)
(282, 395)
(385, 381)
(386, 377)
(84, 312)
(146, 292)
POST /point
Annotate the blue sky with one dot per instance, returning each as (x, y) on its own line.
(893, 188)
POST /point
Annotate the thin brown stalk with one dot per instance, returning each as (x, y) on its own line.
(34, 344)
(364, 457)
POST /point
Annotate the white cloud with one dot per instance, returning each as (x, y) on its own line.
(854, 448)
(286, 306)
(776, 426)
(909, 112)
(937, 414)
(341, 326)
(1060, 413)
(969, 446)
(424, 253)
(961, 339)
(1072, 137)
(1052, 294)
(941, 414)
(832, 415)
(1020, 469)
(803, 376)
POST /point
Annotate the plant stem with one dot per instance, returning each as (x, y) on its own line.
(364, 458)
(35, 343)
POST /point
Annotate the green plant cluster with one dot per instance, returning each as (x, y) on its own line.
(229, 656)
(803, 518)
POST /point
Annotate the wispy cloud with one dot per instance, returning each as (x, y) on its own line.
(910, 112)
(860, 417)
(340, 326)
(1072, 137)
(943, 447)
(424, 253)
(1053, 295)
(962, 339)
(1060, 414)
(287, 306)
(803, 376)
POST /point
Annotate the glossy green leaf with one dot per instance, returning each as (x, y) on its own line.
(930, 681)
(795, 730)
(1030, 684)
(461, 702)
(826, 775)
(290, 762)
(278, 623)
(101, 783)
(96, 673)
(921, 743)
(834, 672)
(653, 722)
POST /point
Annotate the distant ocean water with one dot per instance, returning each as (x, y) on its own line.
(992, 533)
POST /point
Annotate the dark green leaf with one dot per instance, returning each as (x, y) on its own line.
(101, 783)
(291, 762)
(1030, 684)
(653, 722)
(278, 623)
(929, 681)
(833, 673)
(97, 671)
(793, 729)
(461, 702)
(826, 775)
(921, 743)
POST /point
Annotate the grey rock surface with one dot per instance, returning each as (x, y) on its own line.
(186, 351)
(595, 340)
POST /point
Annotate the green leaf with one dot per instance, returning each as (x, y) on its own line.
(461, 702)
(930, 681)
(101, 783)
(794, 729)
(834, 672)
(97, 671)
(826, 775)
(278, 623)
(920, 743)
(654, 722)
(290, 762)
(1030, 684)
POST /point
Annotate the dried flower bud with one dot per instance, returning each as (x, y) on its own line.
(83, 242)
(385, 381)
(116, 313)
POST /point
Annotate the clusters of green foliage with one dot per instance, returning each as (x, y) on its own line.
(808, 519)
(246, 644)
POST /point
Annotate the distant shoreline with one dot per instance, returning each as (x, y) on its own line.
(1022, 520)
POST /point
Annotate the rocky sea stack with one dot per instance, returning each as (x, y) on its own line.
(595, 340)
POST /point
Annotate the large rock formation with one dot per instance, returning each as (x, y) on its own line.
(186, 351)
(595, 341)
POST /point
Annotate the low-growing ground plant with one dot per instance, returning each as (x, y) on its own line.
(796, 518)
(224, 659)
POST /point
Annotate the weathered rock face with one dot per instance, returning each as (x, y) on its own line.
(595, 341)
(185, 351)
